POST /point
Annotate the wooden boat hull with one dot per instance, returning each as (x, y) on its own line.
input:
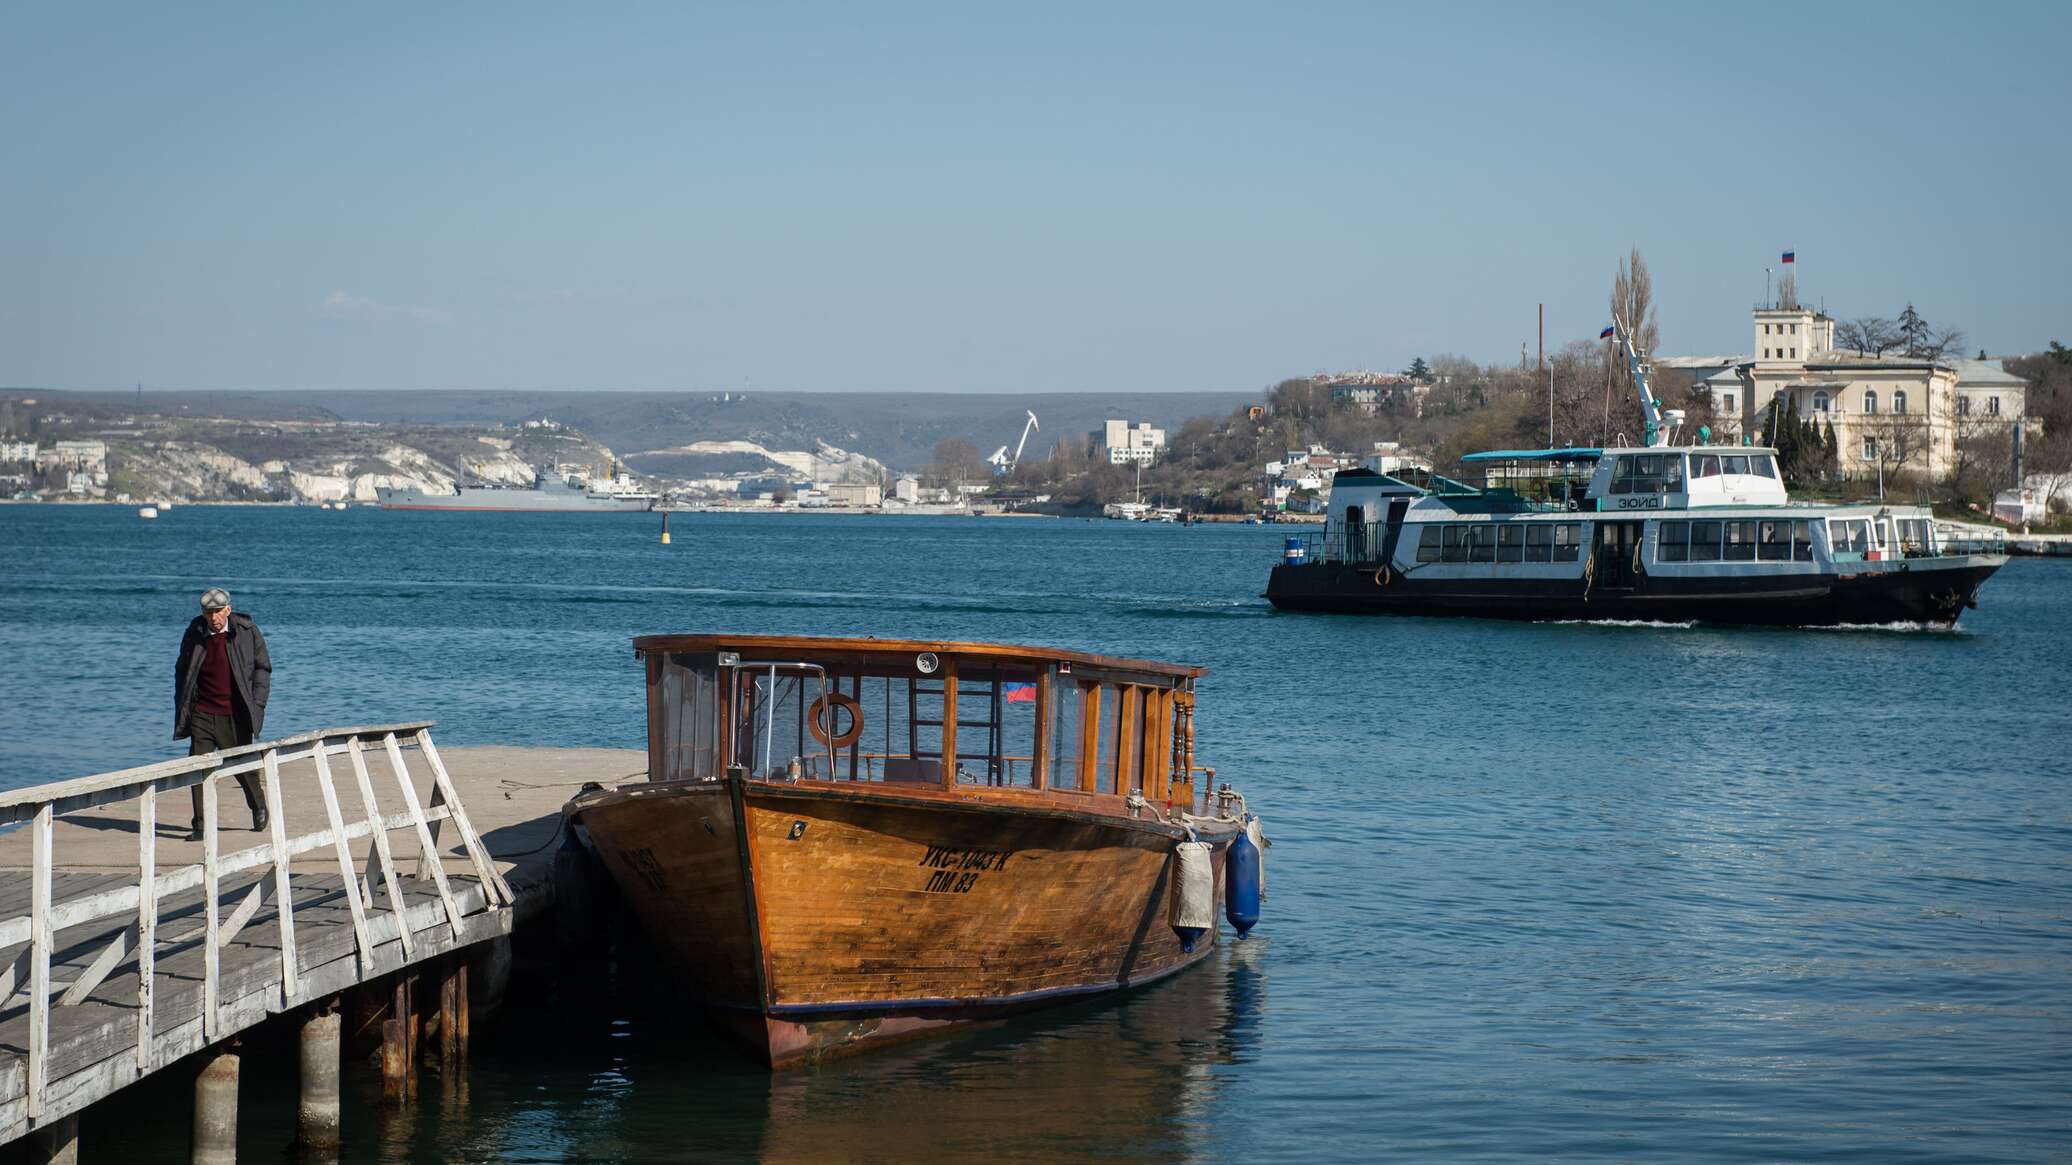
(817, 918)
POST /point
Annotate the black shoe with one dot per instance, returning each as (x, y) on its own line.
(259, 819)
(194, 831)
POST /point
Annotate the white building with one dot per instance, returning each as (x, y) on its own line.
(17, 452)
(907, 489)
(1125, 445)
(89, 456)
(1905, 412)
(853, 494)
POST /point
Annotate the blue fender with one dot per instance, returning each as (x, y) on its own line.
(1241, 884)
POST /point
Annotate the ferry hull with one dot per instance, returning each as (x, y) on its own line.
(815, 919)
(1931, 591)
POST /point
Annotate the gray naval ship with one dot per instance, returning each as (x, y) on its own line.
(555, 493)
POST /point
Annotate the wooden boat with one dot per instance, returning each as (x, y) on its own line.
(846, 842)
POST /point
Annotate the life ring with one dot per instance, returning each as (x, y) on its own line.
(1383, 577)
(819, 720)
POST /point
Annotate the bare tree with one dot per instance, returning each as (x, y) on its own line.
(1633, 309)
(1870, 335)
(1889, 443)
(1941, 343)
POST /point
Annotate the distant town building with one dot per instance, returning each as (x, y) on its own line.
(89, 456)
(17, 452)
(1125, 445)
(1370, 392)
(1390, 457)
(1907, 412)
(851, 494)
(907, 489)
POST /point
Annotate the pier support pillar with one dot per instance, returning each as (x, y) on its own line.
(215, 1111)
(398, 1067)
(57, 1143)
(453, 1013)
(317, 1111)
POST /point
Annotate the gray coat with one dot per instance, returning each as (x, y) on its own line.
(251, 670)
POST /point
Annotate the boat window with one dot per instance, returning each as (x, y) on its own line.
(1568, 540)
(1355, 533)
(1481, 542)
(1704, 465)
(1454, 547)
(1648, 473)
(1762, 465)
(1802, 541)
(1510, 543)
(1774, 542)
(1428, 542)
(1848, 539)
(1673, 542)
(1067, 709)
(1539, 542)
(690, 718)
(1705, 541)
(1740, 542)
(1734, 464)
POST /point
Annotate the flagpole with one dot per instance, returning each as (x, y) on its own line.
(1549, 375)
(1766, 287)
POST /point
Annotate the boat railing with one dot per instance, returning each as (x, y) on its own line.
(1957, 538)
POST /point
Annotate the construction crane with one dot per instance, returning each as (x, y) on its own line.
(1002, 463)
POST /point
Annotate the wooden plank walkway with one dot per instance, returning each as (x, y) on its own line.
(87, 1007)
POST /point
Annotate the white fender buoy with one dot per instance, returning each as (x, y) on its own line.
(1194, 892)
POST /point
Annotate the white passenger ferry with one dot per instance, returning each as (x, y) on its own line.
(1655, 532)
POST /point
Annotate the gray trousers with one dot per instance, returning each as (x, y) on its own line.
(214, 734)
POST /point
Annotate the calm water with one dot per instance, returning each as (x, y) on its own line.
(1590, 892)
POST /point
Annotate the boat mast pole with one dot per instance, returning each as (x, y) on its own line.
(1544, 371)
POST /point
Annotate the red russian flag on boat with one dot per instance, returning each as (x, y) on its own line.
(1605, 334)
(1019, 693)
(1791, 256)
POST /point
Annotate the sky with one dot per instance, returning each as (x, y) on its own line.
(990, 198)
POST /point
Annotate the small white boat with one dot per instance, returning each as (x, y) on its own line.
(147, 512)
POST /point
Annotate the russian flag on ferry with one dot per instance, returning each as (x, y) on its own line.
(1791, 256)
(1019, 693)
(1605, 334)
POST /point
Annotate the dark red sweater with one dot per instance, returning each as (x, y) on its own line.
(213, 690)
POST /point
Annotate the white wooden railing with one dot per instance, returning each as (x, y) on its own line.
(136, 943)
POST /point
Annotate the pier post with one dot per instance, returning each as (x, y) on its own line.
(398, 1074)
(317, 1112)
(57, 1143)
(215, 1111)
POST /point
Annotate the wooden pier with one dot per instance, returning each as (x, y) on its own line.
(125, 947)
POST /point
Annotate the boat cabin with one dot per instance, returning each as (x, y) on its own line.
(922, 714)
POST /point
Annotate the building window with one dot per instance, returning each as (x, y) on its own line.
(1870, 400)
(1963, 406)
(1794, 353)
(1819, 402)
(1870, 448)
(1766, 331)
(1726, 401)
(1992, 406)
(1899, 400)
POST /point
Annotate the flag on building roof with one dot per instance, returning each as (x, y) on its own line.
(1605, 334)
(1018, 693)
(1791, 256)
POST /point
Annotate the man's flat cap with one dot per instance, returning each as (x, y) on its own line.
(215, 599)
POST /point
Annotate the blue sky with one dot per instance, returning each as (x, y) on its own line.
(995, 199)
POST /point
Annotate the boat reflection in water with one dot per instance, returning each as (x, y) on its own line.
(1118, 1079)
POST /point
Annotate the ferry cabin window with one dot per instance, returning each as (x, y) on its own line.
(1500, 542)
(1704, 465)
(1739, 541)
(1482, 542)
(1428, 542)
(1850, 537)
(1762, 465)
(1648, 473)
(1510, 543)
(1673, 542)
(1742, 540)
(1735, 464)
(1705, 541)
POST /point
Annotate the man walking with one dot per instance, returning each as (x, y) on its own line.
(220, 686)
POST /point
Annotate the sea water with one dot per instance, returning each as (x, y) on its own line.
(1621, 892)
